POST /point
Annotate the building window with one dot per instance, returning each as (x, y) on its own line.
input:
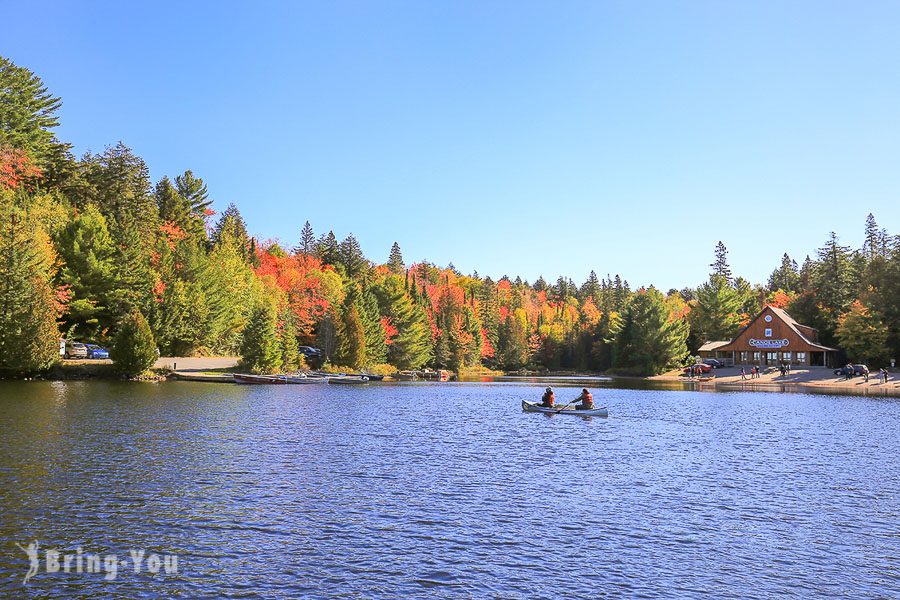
(743, 357)
(756, 356)
(801, 358)
(786, 357)
(768, 332)
(771, 357)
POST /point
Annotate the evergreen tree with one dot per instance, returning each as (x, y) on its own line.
(194, 191)
(327, 249)
(120, 184)
(287, 341)
(718, 313)
(352, 346)
(540, 285)
(591, 288)
(411, 347)
(647, 341)
(351, 256)
(173, 207)
(88, 271)
(875, 242)
(134, 349)
(786, 277)
(307, 245)
(28, 113)
(261, 351)
(230, 229)
(834, 283)
(395, 260)
(28, 331)
(720, 264)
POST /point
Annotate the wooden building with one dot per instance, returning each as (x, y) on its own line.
(773, 337)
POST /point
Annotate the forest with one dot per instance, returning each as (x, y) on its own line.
(92, 249)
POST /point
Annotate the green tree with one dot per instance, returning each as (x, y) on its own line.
(28, 113)
(647, 341)
(134, 349)
(786, 277)
(720, 264)
(287, 340)
(395, 260)
(88, 271)
(411, 347)
(307, 245)
(28, 331)
(261, 351)
(352, 346)
(351, 256)
(718, 312)
(862, 334)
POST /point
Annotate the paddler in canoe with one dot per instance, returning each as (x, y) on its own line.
(547, 399)
(586, 399)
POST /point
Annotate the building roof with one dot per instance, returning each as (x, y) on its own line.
(710, 346)
(790, 322)
(796, 327)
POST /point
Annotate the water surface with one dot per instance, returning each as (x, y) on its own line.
(450, 490)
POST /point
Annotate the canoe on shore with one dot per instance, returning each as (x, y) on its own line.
(207, 378)
(257, 379)
(349, 380)
(369, 377)
(535, 407)
(302, 379)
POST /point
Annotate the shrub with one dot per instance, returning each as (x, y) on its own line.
(134, 349)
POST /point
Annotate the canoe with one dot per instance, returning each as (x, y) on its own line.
(405, 376)
(302, 379)
(211, 378)
(369, 377)
(257, 379)
(594, 412)
(349, 380)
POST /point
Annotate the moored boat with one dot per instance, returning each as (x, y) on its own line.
(302, 379)
(369, 377)
(535, 407)
(208, 378)
(348, 380)
(405, 376)
(257, 379)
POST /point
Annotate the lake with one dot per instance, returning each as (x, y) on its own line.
(448, 490)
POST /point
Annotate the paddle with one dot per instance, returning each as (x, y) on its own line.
(568, 405)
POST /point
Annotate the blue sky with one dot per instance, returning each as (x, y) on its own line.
(508, 137)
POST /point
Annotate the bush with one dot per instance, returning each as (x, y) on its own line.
(134, 349)
(261, 350)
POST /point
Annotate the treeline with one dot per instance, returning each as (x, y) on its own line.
(91, 249)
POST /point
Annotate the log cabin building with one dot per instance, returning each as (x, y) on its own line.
(772, 338)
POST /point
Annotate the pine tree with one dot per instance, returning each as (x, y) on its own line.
(307, 245)
(28, 331)
(785, 278)
(173, 207)
(395, 260)
(230, 229)
(261, 351)
(718, 313)
(194, 191)
(28, 113)
(647, 341)
(411, 347)
(591, 288)
(134, 349)
(327, 249)
(720, 265)
(287, 341)
(351, 256)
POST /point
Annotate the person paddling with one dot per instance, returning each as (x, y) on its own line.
(547, 399)
(587, 400)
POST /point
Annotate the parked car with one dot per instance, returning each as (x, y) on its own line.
(714, 363)
(852, 370)
(95, 351)
(310, 352)
(702, 367)
(76, 350)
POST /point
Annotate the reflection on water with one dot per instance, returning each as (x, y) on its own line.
(451, 490)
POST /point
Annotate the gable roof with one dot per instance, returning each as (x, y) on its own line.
(790, 322)
(710, 346)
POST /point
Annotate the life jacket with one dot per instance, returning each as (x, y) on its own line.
(547, 399)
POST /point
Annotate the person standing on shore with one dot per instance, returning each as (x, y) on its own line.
(743, 374)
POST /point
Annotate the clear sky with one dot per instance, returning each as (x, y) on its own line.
(508, 137)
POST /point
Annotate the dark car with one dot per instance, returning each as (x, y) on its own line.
(714, 363)
(701, 367)
(95, 351)
(310, 352)
(852, 370)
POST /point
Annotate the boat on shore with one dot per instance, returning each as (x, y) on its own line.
(370, 377)
(405, 376)
(593, 412)
(349, 380)
(302, 379)
(208, 378)
(246, 378)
